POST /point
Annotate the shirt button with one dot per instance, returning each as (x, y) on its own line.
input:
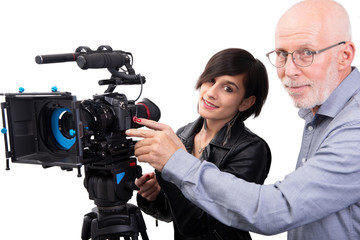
(303, 160)
(310, 128)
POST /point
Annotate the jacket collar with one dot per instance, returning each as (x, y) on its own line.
(189, 132)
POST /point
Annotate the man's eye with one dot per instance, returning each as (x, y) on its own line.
(282, 54)
(307, 52)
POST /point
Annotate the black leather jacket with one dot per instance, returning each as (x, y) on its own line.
(245, 155)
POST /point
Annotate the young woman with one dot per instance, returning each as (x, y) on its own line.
(233, 86)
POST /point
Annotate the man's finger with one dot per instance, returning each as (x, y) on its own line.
(142, 150)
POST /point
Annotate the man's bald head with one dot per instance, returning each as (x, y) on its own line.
(325, 18)
(322, 28)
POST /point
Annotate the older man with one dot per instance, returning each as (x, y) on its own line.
(321, 198)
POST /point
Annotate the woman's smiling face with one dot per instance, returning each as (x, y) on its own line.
(221, 98)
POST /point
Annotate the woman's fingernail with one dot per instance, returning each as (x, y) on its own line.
(135, 119)
(138, 120)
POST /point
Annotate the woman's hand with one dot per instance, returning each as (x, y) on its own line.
(149, 187)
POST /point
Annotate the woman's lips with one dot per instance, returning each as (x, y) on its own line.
(208, 105)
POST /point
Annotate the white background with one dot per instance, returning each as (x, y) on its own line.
(171, 42)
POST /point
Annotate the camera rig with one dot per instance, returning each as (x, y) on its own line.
(54, 129)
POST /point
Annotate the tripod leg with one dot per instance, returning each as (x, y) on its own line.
(144, 235)
(86, 228)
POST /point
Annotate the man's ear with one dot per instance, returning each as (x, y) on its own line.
(247, 103)
(346, 55)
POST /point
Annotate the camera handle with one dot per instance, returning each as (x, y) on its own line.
(121, 78)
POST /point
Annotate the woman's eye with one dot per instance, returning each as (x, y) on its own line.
(228, 89)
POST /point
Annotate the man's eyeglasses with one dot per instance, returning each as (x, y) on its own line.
(301, 57)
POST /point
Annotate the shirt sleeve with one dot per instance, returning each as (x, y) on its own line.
(315, 190)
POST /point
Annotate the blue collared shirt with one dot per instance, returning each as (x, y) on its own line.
(320, 200)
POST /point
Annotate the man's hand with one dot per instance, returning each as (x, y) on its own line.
(157, 145)
(149, 187)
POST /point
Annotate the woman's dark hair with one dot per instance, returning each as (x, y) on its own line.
(235, 61)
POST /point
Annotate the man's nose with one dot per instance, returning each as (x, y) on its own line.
(290, 66)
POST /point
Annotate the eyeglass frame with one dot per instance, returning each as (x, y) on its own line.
(313, 53)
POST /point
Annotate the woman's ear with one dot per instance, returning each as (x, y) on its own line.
(247, 103)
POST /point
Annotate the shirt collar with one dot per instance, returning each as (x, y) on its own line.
(338, 98)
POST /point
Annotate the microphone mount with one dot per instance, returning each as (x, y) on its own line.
(103, 57)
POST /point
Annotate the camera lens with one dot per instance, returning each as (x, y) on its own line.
(62, 128)
(66, 124)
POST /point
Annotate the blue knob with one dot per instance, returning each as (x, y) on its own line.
(54, 89)
(72, 132)
(3, 130)
(21, 89)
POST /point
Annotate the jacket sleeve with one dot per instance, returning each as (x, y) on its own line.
(250, 164)
(190, 220)
(159, 208)
(249, 160)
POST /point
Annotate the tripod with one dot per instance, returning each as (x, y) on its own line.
(111, 186)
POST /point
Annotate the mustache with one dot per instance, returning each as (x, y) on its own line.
(288, 82)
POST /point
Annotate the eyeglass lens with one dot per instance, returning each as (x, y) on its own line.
(301, 58)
